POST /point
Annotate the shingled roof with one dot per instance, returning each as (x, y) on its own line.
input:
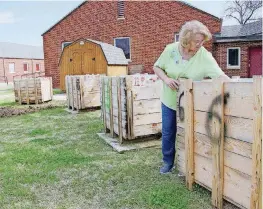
(113, 55)
(21, 51)
(247, 32)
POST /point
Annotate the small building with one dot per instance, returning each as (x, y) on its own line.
(238, 49)
(20, 59)
(87, 56)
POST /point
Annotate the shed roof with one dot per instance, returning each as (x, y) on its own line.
(113, 55)
(21, 51)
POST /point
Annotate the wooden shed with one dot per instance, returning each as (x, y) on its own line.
(87, 56)
(131, 106)
(219, 139)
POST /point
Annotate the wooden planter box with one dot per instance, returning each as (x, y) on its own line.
(83, 91)
(219, 141)
(131, 106)
(33, 90)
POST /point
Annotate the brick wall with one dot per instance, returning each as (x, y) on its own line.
(220, 54)
(19, 67)
(150, 25)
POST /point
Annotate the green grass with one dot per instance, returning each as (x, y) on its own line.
(57, 91)
(53, 159)
(8, 104)
(7, 97)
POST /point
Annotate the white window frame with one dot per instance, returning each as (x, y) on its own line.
(27, 67)
(239, 58)
(66, 42)
(175, 35)
(129, 60)
(39, 67)
(9, 67)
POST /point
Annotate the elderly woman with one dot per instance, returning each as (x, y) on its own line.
(184, 59)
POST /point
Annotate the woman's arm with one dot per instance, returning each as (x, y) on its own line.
(172, 83)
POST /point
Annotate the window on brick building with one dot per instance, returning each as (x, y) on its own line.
(11, 67)
(25, 67)
(120, 5)
(64, 44)
(176, 37)
(37, 67)
(124, 44)
(233, 58)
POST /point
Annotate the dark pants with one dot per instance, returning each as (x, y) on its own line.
(168, 134)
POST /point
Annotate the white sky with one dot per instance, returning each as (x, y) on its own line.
(24, 21)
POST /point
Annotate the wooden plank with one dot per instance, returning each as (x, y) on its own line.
(51, 88)
(146, 92)
(238, 96)
(189, 137)
(217, 137)
(116, 113)
(72, 93)
(256, 193)
(237, 128)
(35, 90)
(232, 160)
(116, 130)
(237, 185)
(130, 114)
(78, 89)
(115, 101)
(19, 93)
(129, 146)
(119, 110)
(111, 109)
(236, 146)
(115, 91)
(67, 90)
(147, 119)
(83, 96)
(142, 107)
(103, 108)
(148, 129)
(27, 98)
(90, 99)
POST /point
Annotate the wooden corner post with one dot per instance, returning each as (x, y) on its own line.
(256, 181)
(129, 83)
(189, 134)
(119, 108)
(103, 106)
(217, 137)
(111, 108)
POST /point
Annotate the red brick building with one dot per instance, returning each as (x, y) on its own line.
(141, 28)
(238, 49)
(19, 59)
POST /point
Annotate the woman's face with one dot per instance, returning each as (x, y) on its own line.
(197, 42)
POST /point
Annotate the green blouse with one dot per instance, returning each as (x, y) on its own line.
(201, 65)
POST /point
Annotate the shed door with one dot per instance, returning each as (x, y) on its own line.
(255, 61)
(88, 61)
(77, 63)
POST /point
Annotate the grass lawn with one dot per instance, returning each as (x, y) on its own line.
(7, 97)
(57, 91)
(53, 159)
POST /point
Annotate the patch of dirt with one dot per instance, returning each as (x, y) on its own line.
(24, 109)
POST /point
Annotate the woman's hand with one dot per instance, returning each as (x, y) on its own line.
(172, 83)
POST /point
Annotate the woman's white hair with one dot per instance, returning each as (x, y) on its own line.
(189, 29)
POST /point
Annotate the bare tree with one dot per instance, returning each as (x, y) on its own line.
(242, 11)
